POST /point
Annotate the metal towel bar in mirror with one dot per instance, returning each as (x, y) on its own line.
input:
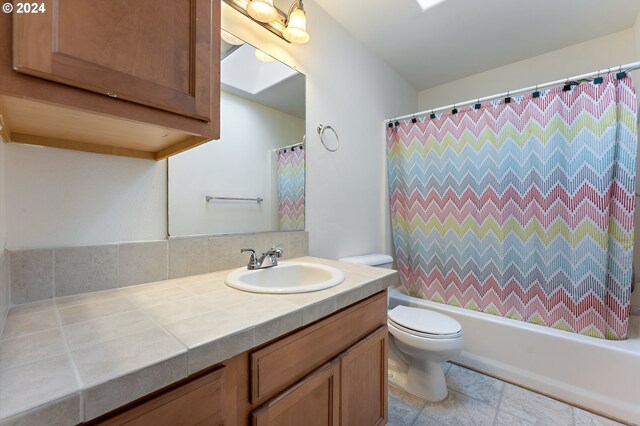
(321, 131)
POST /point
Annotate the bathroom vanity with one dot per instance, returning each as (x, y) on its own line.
(331, 372)
(196, 351)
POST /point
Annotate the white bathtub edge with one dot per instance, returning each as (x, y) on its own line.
(612, 405)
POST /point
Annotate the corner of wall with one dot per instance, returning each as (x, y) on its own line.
(4, 258)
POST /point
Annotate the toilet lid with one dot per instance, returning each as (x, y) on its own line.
(424, 321)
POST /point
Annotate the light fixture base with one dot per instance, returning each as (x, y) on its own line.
(277, 26)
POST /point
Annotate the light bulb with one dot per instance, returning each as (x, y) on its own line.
(262, 10)
(296, 31)
(263, 56)
(230, 38)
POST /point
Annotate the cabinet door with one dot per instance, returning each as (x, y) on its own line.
(314, 401)
(152, 52)
(200, 402)
(363, 376)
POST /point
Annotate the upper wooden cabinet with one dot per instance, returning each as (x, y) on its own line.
(138, 78)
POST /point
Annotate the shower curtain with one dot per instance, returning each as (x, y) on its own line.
(522, 209)
(291, 189)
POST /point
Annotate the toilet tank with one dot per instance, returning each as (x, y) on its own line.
(377, 260)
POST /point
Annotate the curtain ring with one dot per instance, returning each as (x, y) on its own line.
(321, 130)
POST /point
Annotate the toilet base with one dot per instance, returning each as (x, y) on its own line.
(424, 379)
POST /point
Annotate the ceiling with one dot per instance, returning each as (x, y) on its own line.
(458, 38)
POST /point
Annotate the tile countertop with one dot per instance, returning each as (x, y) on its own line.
(71, 359)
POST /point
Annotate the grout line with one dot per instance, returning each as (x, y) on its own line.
(76, 373)
(166, 276)
(117, 265)
(53, 270)
(499, 406)
(156, 322)
(6, 263)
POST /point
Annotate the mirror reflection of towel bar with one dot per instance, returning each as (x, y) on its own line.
(210, 198)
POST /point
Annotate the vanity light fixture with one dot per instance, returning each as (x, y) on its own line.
(230, 38)
(296, 31)
(290, 26)
(263, 56)
(262, 10)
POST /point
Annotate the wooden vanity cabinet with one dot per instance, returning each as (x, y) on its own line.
(315, 401)
(330, 373)
(201, 401)
(350, 390)
(136, 78)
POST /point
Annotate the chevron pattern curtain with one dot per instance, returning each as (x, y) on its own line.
(523, 209)
(291, 189)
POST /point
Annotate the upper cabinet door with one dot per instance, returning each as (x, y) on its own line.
(152, 52)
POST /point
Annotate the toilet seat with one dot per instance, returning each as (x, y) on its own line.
(424, 323)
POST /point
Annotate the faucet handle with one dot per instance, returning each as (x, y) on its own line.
(277, 250)
(250, 250)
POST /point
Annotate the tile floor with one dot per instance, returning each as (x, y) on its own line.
(476, 399)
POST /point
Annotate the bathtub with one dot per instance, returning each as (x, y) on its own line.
(599, 375)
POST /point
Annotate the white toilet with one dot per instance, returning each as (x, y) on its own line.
(421, 342)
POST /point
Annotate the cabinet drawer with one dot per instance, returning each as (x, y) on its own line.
(199, 402)
(315, 401)
(280, 364)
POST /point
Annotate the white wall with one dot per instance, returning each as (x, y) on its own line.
(57, 197)
(241, 164)
(352, 90)
(5, 296)
(599, 53)
(3, 203)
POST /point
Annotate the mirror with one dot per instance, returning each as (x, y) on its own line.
(253, 178)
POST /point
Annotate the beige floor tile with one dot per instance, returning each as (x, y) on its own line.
(99, 330)
(457, 410)
(34, 384)
(534, 407)
(478, 386)
(106, 361)
(585, 418)
(31, 347)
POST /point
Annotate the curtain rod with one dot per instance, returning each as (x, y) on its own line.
(622, 68)
(287, 147)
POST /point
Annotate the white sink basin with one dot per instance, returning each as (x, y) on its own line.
(287, 277)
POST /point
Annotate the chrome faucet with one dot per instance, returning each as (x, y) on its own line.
(273, 254)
